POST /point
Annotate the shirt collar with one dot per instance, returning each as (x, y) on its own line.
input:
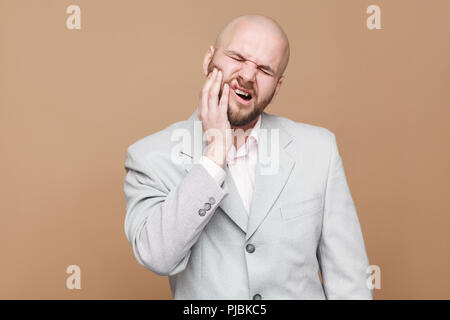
(253, 138)
(255, 130)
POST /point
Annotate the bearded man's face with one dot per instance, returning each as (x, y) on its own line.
(250, 63)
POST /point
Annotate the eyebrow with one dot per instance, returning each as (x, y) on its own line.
(262, 66)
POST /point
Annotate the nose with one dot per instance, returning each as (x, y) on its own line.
(248, 71)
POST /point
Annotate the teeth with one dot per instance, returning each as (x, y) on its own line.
(241, 92)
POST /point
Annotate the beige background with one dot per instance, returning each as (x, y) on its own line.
(73, 101)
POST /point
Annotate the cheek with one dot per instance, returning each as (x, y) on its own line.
(230, 69)
(265, 86)
(227, 67)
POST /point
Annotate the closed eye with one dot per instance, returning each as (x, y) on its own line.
(265, 72)
(240, 60)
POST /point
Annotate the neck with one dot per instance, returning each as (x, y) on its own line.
(241, 133)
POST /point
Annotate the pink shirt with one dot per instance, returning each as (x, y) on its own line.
(241, 164)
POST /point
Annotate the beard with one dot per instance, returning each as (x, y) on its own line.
(237, 119)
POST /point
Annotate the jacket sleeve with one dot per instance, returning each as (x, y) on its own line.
(162, 225)
(341, 251)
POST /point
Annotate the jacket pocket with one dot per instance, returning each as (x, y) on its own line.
(302, 208)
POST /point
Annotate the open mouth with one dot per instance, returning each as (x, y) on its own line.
(243, 95)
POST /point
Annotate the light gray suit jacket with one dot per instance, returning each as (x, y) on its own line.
(182, 224)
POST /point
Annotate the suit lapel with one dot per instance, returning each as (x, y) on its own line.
(272, 171)
(232, 203)
(192, 149)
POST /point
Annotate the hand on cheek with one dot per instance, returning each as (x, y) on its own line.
(213, 115)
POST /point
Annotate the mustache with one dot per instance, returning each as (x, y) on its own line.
(246, 85)
(249, 88)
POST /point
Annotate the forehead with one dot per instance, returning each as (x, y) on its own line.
(256, 43)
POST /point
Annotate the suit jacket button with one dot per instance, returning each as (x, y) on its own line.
(202, 212)
(207, 206)
(212, 200)
(250, 248)
(257, 297)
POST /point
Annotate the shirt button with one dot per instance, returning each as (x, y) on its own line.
(212, 200)
(250, 248)
(207, 206)
(257, 297)
(202, 212)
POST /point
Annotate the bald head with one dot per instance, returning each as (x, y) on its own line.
(252, 53)
(260, 23)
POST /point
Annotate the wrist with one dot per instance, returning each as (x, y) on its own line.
(217, 154)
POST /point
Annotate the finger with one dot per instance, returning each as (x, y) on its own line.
(205, 91)
(214, 92)
(223, 104)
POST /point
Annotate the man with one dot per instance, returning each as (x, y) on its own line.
(262, 208)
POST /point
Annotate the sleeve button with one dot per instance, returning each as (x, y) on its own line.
(202, 212)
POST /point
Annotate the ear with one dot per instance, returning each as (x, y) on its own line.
(280, 81)
(207, 59)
